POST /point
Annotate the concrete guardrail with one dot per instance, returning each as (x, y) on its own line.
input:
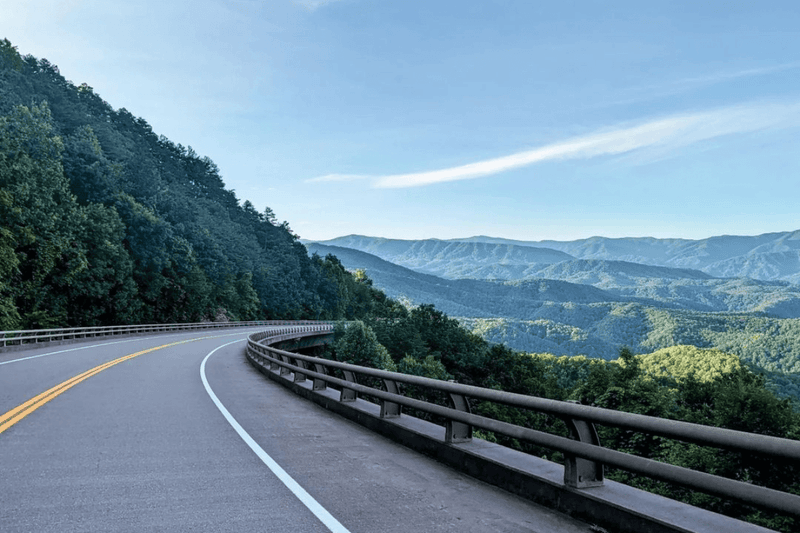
(579, 490)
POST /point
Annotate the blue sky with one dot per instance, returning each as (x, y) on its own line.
(417, 119)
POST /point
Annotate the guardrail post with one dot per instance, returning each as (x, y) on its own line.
(582, 473)
(319, 384)
(458, 431)
(390, 409)
(273, 365)
(348, 395)
(299, 377)
(285, 371)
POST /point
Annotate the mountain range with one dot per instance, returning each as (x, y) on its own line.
(590, 297)
(571, 281)
(768, 257)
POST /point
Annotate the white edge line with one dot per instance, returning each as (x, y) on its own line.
(313, 505)
(68, 350)
(107, 344)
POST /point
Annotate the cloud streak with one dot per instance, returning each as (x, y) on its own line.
(666, 134)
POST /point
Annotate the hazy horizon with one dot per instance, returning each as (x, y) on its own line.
(472, 237)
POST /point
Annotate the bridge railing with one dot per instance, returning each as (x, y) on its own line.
(585, 456)
(31, 336)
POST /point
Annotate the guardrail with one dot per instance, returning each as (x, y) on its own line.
(19, 337)
(585, 456)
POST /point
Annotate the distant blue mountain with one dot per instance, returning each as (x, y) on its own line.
(575, 281)
(614, 273)
(465, 297)
(593, 306)
(771, 256)
(457, 260)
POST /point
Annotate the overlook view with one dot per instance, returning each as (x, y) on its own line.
(541, 219)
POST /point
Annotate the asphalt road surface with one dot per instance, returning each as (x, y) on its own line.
(177, 432)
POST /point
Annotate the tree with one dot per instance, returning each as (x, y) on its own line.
(39, 213)
(104, 291)
(93, 178)
(358, 345)
(9, 55)
(9, 317)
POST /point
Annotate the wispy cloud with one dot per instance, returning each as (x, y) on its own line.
(667, 133)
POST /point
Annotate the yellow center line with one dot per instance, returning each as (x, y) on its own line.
(18, 413)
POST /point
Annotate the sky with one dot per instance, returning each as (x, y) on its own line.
(444, 119)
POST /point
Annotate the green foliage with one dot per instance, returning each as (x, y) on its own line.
(346, 295)
(683, 361)
(104, 291)
(463, 354)
(771, 345)
(9, 55)
(699, 385)
(238, 297)
(358, 345)
(103, 221)
(428, 367)
(721, 393)
(9, 317)
(41, 215)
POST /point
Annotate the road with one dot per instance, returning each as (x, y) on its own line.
(142, 446)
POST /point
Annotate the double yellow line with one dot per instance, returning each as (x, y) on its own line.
(18, 413)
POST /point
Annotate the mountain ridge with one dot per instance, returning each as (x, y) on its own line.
(769, 256)
(644, 307)
(598, 281)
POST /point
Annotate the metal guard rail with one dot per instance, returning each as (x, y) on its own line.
(17, 337)
(584, 455)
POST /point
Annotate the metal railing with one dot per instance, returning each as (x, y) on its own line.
(18, 337)
(585, 457)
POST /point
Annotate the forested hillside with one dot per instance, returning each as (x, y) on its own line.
(464, 297)
(579, 281)
(594, 330)
(103, 221)
(645, 314)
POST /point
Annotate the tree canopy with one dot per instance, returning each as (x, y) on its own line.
(102, 221)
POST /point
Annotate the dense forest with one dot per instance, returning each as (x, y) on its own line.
(102, 221)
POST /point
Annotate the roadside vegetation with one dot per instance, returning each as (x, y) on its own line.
(698, 385)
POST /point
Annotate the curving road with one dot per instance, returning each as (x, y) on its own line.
(144, 445)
